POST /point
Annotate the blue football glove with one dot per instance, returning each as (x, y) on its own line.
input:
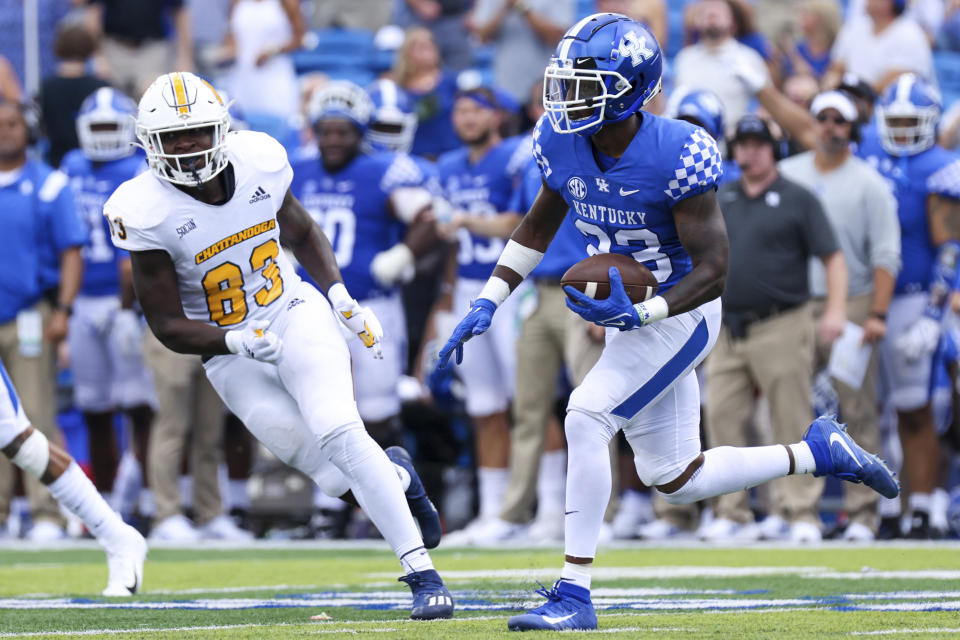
(476, 322)
(615, 311)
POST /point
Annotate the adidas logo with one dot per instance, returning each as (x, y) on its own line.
(259, 195)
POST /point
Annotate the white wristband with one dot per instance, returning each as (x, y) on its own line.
(338, 295)
(652, 310)
(519, 258)
(496, 290)
(234, 340)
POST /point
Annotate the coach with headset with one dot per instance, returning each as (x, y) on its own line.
(42, 238)
(774, 227)
(863, 213)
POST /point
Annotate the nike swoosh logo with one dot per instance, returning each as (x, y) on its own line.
(836, 437)
(582, 60)
(627, 192)
(558, 619)
(566, 513)
(136, 582)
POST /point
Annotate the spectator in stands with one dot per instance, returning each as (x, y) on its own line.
(818, 22)
(880, 46)
(368, 15)
(710, 63)
(9, 84)
(209, 22)
(525, 34)
(417, 69)
(652, 13)
(863, 214)
(62, 93)
(43, 235)
(136, 42)
(949, 37)
(775, 227)
(447, 21)
(263, 80)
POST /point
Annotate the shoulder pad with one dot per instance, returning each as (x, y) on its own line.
(698, 169)
(139, 201)
(265, 153)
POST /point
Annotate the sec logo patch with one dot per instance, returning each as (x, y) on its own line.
(577, 188)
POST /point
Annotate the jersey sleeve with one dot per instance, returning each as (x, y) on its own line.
(945, 181)
(540, 140)
(128, 231)
(698, 170)
(66, 227)
(401, 172)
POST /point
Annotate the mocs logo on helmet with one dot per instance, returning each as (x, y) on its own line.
(606, 67)
(182, 124)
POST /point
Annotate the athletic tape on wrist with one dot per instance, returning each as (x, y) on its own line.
(652, 310)
(519, 258)
(34, 455)
(496, 290)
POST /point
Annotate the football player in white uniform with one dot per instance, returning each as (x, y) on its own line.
(204, 229)
(31, 451)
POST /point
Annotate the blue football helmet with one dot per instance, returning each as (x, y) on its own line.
(915, 100)
(699, 106)
(392, 121)
(106, 125)
(341, 99)
(605, 68)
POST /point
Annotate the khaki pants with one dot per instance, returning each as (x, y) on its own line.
(135, 68)
(551, 336)
(858, 408)
(185, 400)
(35, 380)
(776, 356)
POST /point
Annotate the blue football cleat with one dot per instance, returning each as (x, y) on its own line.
(568, 607)
(420, 505)
(431, 600)
(835, 453)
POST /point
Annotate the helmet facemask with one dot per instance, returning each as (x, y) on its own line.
(105, 139)
(187, 169)
(906, 134)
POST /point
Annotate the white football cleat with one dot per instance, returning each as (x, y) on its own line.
(175, 529)
(125, 564)
(856, 532)
(45, 531)
(724, 530)
(773, 527)
(805, 533)
(223, 528)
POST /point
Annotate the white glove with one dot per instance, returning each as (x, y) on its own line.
(360, 320)
(127, 333)
(393, 266)
(255, 342)
(920, 339)
(752, 77)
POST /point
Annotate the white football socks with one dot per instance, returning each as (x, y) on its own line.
(492, 485)
(729, 469)
(375, 485)
(588, 491)
(74, 491)
(802, 458)
(578, 574)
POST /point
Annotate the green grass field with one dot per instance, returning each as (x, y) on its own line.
(640, 591)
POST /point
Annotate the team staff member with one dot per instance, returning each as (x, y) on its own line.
(42, 237)
(767, 339)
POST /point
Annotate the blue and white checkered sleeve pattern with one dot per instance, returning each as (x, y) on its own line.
(945, 181)
(402, 172)
(542, 161)
(699, 169)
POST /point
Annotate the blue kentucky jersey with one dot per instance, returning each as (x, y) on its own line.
(92, 183)
(913, 178)
(482, 189)
(351, 206)
(628, 208)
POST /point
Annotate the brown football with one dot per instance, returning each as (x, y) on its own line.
(591, 276)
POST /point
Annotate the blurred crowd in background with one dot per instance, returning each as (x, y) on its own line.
(448, 77)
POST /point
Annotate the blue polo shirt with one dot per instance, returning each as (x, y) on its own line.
(39, 218)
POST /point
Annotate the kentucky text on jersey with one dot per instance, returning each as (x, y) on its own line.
(236, 238)
(609, 215)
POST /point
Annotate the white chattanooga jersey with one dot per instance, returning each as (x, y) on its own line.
(230, 266)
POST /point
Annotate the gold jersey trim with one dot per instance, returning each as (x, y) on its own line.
(234, 239)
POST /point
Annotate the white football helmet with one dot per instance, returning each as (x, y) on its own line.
(916, 104)
(341, 99)
(181, 100)
(105, 125)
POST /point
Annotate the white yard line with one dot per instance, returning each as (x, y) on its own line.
(891, 632)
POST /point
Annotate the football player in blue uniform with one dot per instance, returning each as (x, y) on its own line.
(925, 179)
(105, 334)
(704, 109)
(640, 186)
(377, 214)
(479, 180)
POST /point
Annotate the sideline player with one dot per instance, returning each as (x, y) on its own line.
(643, 186)
(204, 228)
(105, 338)
(377, 214)
(31, 451)
(925, 179)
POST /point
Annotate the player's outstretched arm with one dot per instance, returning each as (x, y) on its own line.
(312, 249)
(703, 234)
(155, 283)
